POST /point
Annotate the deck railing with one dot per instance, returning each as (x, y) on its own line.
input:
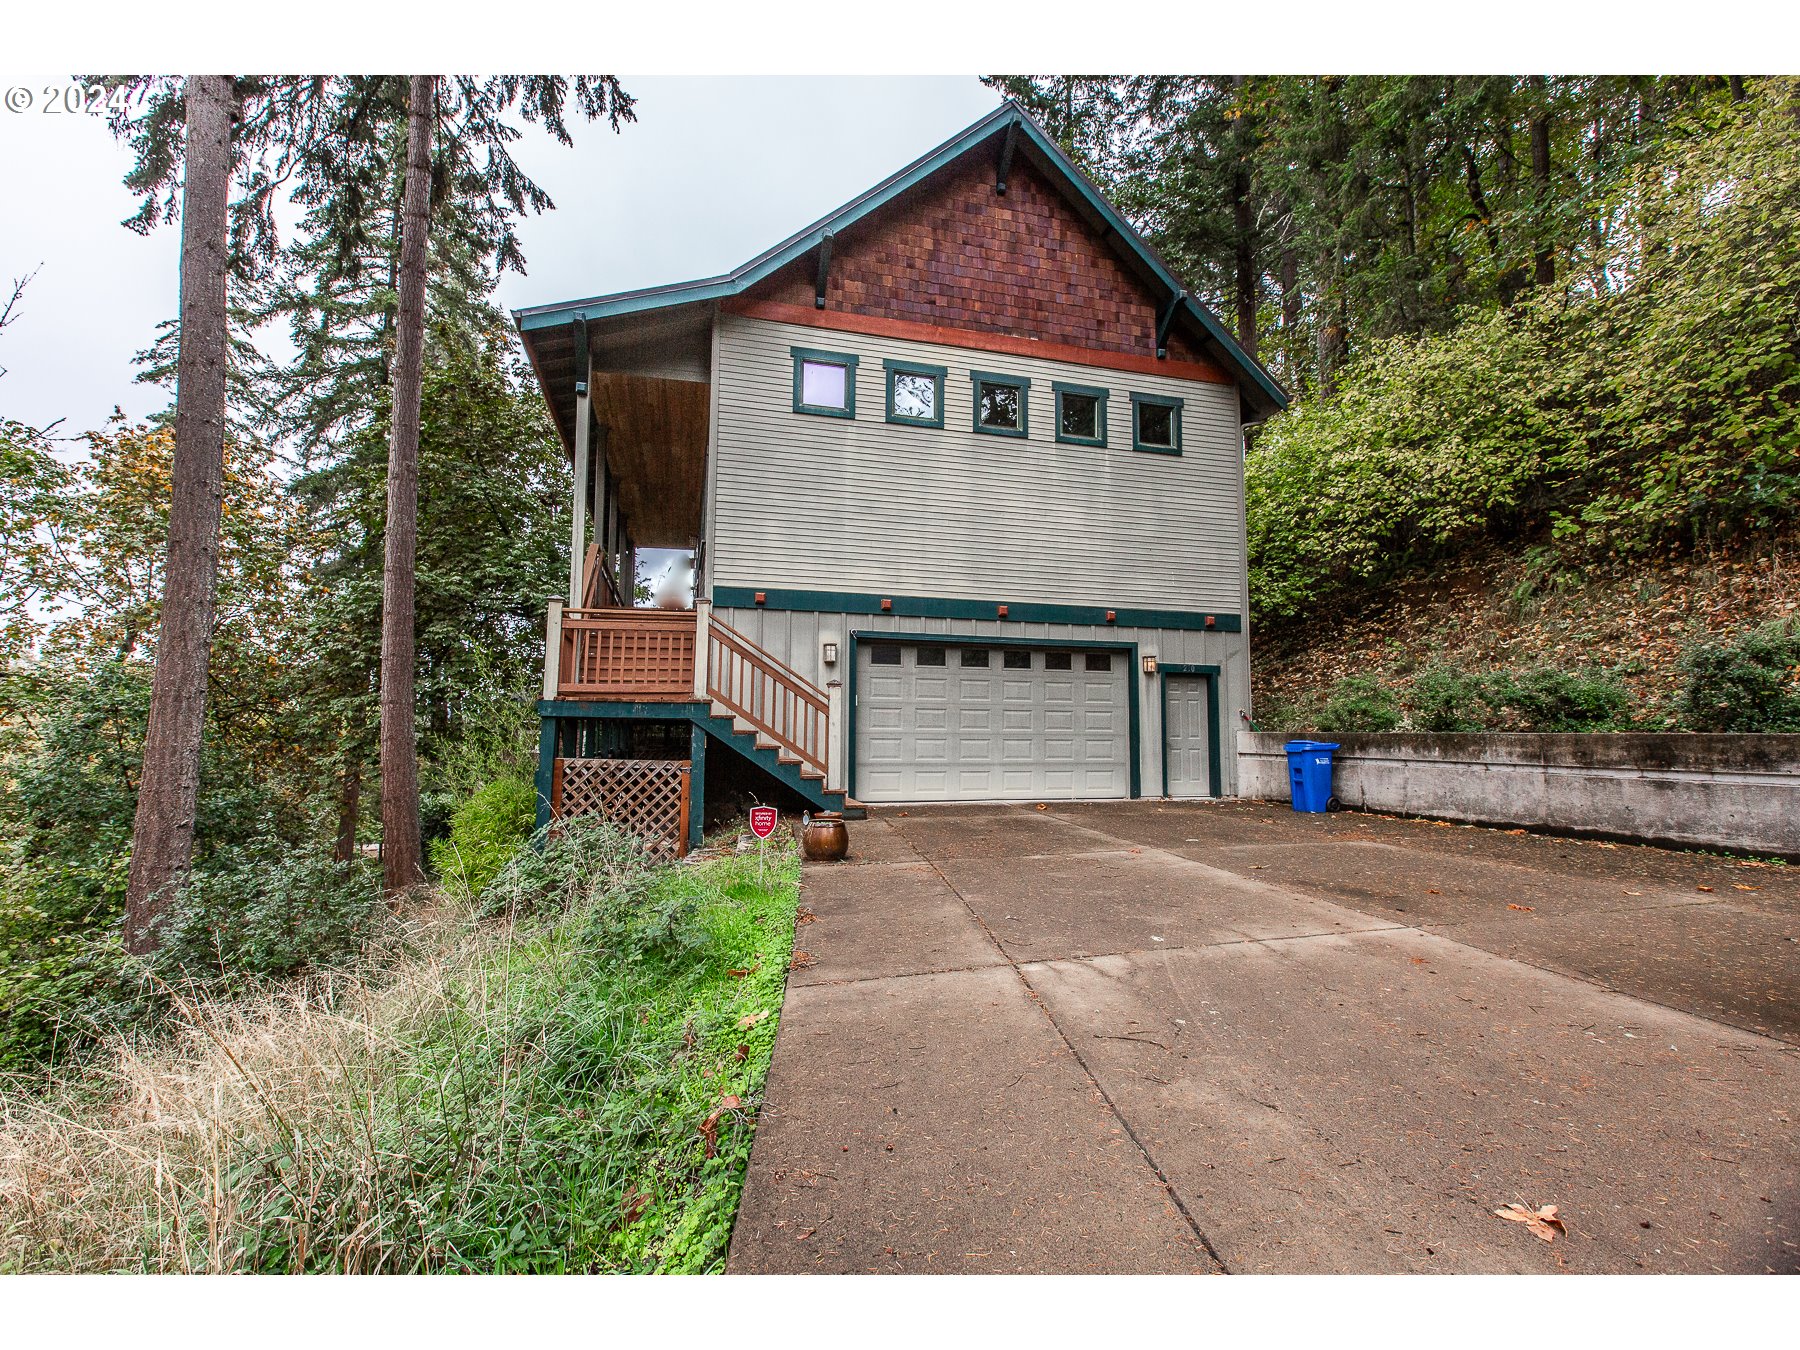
(649, 656)
(645, 655)
(771, 697)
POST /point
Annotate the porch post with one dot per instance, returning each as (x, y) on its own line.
(578, 493)
(702, 641)
(552, 647)
(696, 784)
(546, 768)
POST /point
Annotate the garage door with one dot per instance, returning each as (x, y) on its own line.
(937, 722)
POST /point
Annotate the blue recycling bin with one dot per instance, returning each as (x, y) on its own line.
(1309, 773)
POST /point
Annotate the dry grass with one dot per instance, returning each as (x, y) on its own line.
(542, 1093)
(148, 1159)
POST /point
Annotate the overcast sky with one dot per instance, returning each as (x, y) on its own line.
(715, 170)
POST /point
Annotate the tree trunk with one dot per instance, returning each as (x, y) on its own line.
(1540, 181)
(1288, 274)
(401, 864)
(1736, 82)
(1246, 288)
(349, 805)
(162, 836)
(1247, 281)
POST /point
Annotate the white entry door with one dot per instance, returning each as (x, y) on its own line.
(974, 722)
(1187, 735)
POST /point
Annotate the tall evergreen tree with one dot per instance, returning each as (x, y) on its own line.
(162, 839)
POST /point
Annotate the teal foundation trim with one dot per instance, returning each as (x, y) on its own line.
(934, 607)
(1215, 784)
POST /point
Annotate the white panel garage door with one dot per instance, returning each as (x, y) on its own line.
(937, 722)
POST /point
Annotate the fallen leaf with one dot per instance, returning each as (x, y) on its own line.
(1542, 1221)
(1739, 886)
(709, 1128)
(1526, 909)
(1042, 807)
(804, 915)
(804, 1234)
(1515, 831)
(1634, 892)
(741, 1054)
(802, 960)
(1703, 888)
(1433, 890)
(750, 1019)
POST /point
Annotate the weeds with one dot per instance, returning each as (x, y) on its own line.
(567, 1086)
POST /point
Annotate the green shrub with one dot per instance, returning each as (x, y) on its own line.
(1358, 703)
(1444, 699)
(1546, 699)
(250, 917)
(1752, 684)
(484, 833)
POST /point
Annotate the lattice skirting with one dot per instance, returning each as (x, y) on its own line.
(648, 797)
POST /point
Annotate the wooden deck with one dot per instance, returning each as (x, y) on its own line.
(681, 656)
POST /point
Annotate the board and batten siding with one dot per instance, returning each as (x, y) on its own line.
(831, 504)
(798, 638)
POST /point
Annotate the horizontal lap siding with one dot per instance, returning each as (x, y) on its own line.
(816, 503)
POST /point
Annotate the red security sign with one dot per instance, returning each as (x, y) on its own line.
(762, 821)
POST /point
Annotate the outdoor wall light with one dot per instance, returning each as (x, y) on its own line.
(1149, 665)
(831, 653)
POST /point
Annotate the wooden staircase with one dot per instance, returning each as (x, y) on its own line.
(709, 673)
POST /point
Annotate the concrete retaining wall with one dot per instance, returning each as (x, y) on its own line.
(1697, 791)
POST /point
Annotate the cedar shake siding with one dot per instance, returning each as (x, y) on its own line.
(957, 254)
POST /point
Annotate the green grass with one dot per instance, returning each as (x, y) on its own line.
(570, 1086)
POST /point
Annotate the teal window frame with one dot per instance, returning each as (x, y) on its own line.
(1156, 401)
(892, 368)
(977, 378)
(804, 354)
(1099, 396)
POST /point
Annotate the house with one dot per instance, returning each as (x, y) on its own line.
(961, 467)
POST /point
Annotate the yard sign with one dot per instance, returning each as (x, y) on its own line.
(762, 821)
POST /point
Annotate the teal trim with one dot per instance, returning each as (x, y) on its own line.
(927, 607)
(546, 768)
(1093, 391)
(1130, 649)
(1215, 778)
(937, 374)
(1156, 401)
(696, 785)
(804, 354)
(1019, 382)
(1008, 117)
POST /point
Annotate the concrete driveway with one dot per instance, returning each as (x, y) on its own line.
(1220, 1037)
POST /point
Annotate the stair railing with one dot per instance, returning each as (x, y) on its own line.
(773, 698)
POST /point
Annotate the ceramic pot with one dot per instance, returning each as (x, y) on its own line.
(825, 839)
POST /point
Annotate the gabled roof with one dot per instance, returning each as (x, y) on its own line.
(1259, 388)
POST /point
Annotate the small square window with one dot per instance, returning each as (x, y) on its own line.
(915, 393)
(824, 383)
(1156, 424)
(1000, 403)
(1057, 661)
(1015, 660)
(1080, 414)
(1099, 660)
(973, 656)
(884, 654)
(930, 656)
